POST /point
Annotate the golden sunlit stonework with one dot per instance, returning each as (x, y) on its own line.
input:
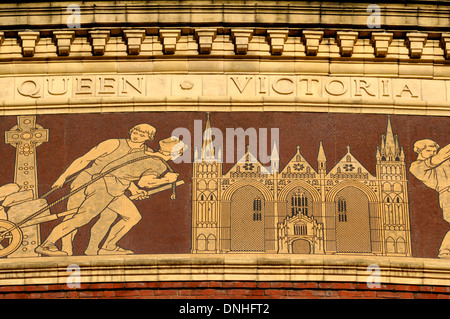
(360, 94)
(298, 210)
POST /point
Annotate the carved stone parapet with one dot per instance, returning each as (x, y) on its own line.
(241, 39)
(346, 41)
(381, 42)
(312, 39)
(63, 40)
(205, 38)
(416, 41)
(134, 39)
(277, 38)
(445, 42)
(169, 39)
(98, 39)
(28, 41)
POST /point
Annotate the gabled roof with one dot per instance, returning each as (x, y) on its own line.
(298, 164)
(349, 165)
(249, 163)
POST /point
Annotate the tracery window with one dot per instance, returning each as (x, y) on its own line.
(341, 206)
(257, 209)
(299, 203)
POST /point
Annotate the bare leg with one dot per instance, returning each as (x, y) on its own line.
(130, 216)
(97, 199)
(73, 202)
(99, 231)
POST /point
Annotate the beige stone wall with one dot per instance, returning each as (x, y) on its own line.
(225, 56)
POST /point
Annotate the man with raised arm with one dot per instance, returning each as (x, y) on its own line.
(100, 156)
(149, 170)
(432, 167)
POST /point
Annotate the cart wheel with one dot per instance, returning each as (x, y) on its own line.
(9, 240)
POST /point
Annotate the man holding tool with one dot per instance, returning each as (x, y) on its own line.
(99, 156)
(109, 192)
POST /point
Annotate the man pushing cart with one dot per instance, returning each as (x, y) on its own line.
(106, 190)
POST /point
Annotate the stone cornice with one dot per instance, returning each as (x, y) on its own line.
(225, 42)
(229, 267)
(353, 14)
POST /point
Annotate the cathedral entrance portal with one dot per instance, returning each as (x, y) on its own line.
(352, 221)
(247, 220)
(301, 246)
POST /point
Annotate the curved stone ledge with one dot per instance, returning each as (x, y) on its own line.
(228, 267)
(45, 13)
(224, 104)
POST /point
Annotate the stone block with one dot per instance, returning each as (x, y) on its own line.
(241, 39)
(8, 189)
(277, 38)
(169, 39)
(346, 41)
(416, 42)
(381, 42)
(134, 39)
(18, 197)
(19, 212)
(28, 40)
(312, 40)
(98, 39)
(3, 214)
(63, 40)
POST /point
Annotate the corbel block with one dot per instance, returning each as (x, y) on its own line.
(381, 42)
(416, 41)
(28, 40)
(99, 38)
(346, 41)
(205, 38)
(445, 42)
(2, 37)
(63, 41)
(169, 39)
(311, 40)
(134, 39)
(241, 39)
(277, 38)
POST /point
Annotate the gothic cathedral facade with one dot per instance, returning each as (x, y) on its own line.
(300, 210)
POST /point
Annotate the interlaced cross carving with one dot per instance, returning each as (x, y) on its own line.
(26, 136)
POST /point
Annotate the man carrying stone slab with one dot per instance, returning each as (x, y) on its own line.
(109, 192)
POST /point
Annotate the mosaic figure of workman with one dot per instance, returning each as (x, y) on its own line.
(109, 192)
(432, 167)
(92, 163)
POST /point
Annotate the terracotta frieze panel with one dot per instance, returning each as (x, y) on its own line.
(172, 183)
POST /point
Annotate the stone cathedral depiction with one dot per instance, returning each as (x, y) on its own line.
(298, 209)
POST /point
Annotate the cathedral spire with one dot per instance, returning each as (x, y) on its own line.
(275, 158)
(208, 146)
(321, 155)
(390, 138)
(322, 159)
(390, 146)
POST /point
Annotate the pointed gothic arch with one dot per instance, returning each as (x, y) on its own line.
(373, 198)
(228, 193)
(282, 196)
